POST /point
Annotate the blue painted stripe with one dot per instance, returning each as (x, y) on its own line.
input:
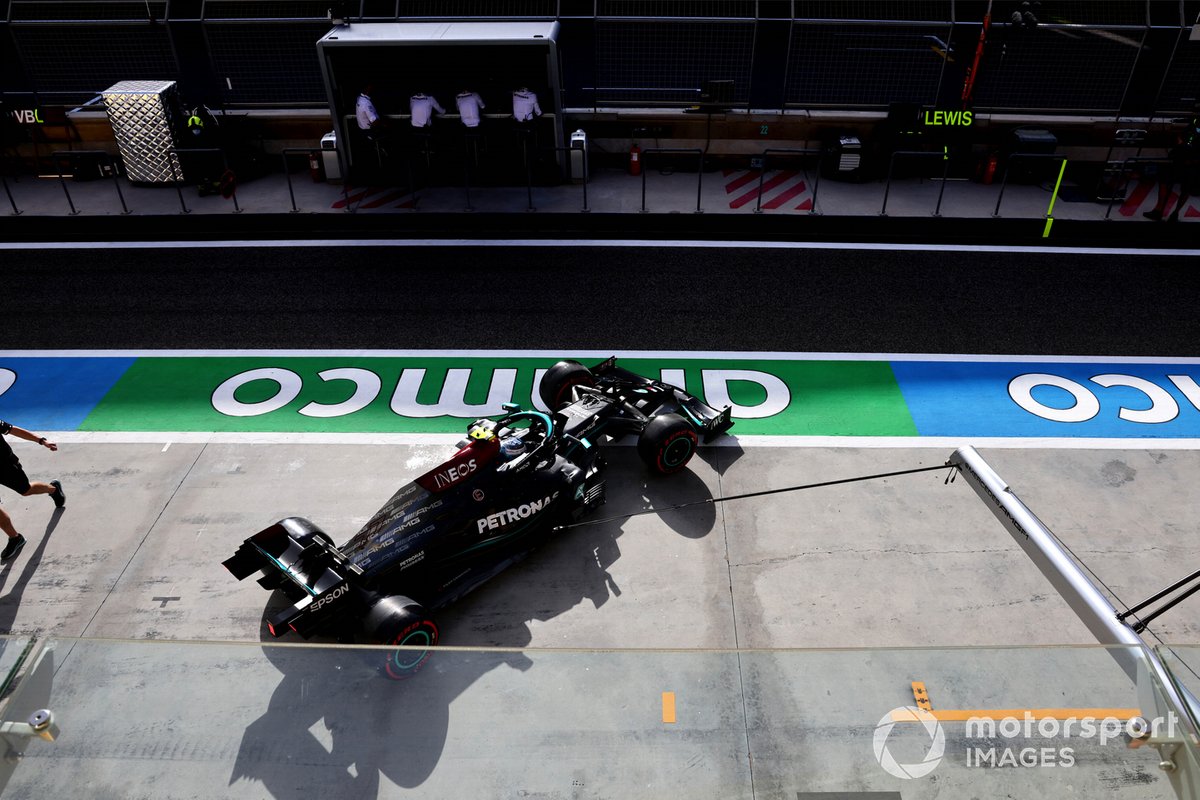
(973, 399)
(56, 394)
(946, 397)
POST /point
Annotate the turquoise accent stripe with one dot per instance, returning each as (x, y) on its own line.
(286, 570)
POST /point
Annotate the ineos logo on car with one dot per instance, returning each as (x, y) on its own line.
(454, 474)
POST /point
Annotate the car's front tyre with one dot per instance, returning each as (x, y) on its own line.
(667, 444)
(556, 385)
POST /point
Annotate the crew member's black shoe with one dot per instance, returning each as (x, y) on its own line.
(1153, 213)
(58, 495)
(12, 548)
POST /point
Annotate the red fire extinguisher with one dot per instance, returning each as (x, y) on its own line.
(635, 160)
(315, 168)
(988, 173)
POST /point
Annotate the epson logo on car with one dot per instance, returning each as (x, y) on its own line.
(453, 475)
(523, 511)
(329, 598)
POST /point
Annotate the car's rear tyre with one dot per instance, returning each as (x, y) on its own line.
(400, 621)
(555, 389)
(667, 444)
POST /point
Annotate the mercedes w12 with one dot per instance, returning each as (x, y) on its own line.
(511, 483)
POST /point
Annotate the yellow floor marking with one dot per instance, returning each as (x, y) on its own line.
(962, 715)
(668, 703)
(921, 696)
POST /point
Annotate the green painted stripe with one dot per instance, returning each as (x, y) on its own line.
(826, 398)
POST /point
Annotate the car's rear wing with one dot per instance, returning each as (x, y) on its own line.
(297, 556)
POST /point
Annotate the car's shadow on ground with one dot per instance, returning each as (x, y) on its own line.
(335, 725)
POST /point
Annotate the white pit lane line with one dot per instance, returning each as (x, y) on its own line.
(575, 243)
(450, 439)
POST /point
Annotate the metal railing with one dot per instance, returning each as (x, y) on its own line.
(175, 151)
(943, 154)
(16, 212)
(382, 152)
(62, 156)
(675, 151)
(1008, 168)
(529, 177)
(1122, 180)
(766, 154)
(287, 151)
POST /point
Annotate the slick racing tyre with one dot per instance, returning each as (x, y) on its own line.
(397, 620)
(555, 389)
(667, 444)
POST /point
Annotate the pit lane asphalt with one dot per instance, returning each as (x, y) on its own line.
(872, 565)
(654, 297)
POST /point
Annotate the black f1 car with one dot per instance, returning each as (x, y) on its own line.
(503, 492)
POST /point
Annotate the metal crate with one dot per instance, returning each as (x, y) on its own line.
(145, 119)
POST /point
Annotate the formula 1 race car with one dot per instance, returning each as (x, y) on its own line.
(512, 482)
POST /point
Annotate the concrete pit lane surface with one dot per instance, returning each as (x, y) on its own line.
(777, 633)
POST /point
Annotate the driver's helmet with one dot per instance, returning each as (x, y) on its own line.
(512, 447)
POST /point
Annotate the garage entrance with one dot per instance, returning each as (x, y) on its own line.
(507, 66)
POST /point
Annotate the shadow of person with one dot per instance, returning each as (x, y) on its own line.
(11, 601)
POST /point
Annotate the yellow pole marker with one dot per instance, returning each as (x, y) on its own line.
(1060, 714)
(668, 703)
(921, 696)
(1053, 197)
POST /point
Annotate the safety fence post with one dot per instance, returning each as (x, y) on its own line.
(937, 211)
(528, 169)
(676, 151)
(16, 212)
(60, 155)
(288, 173)
(1011, 159)
(175, 151)
(568, 151)
(467, 150)
(233, 195)
(794, 152)
(62, 182)
(587, 175)
(1123, 177)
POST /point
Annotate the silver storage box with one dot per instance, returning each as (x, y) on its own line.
(145, 120)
